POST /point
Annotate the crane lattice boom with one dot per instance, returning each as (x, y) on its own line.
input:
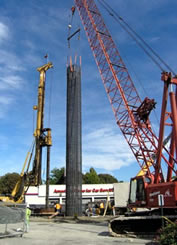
(130, 112)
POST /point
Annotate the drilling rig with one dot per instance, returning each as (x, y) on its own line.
(42, 138)
(132, 117)
(42, 135)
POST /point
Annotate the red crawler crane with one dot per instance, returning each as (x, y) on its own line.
(132, 115)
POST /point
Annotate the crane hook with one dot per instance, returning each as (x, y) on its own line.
(73, 10)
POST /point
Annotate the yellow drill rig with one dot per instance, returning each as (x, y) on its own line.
(42, 138)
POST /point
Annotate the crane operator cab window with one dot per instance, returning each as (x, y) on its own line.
(137, 192)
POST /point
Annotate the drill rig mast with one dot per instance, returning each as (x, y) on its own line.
(42, 135)
(42, 138)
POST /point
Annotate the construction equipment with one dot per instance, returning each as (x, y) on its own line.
(132, 116)
(144, 168)
(42, 135)
(42, 138)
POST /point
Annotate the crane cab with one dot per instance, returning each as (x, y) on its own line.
(144, 193)
(137, 194)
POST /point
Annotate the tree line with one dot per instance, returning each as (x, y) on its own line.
(57, 176)
(91, 177)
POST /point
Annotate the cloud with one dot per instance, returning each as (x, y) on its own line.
(10, 61)
(4, 32)
(10, 81)
(105, 148)
(10, 65)
(5, 101)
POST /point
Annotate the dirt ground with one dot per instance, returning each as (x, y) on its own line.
(68, 231)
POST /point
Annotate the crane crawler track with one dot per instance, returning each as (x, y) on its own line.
(137, 226)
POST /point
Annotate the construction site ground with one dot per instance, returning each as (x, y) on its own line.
(65, 230)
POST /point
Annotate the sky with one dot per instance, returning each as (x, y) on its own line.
(29, 30)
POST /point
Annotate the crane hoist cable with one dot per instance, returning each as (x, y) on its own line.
(70, 24)
(70, 36)
(141, 42)
(137, 38)
(120, 18)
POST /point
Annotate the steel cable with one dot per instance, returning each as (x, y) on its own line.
(141, 42)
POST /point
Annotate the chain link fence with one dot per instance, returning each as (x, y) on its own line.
(12, 219)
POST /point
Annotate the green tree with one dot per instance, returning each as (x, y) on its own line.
(57, 176)
(168, 234)
(91, 177)
(8, 182)
(107, 179)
